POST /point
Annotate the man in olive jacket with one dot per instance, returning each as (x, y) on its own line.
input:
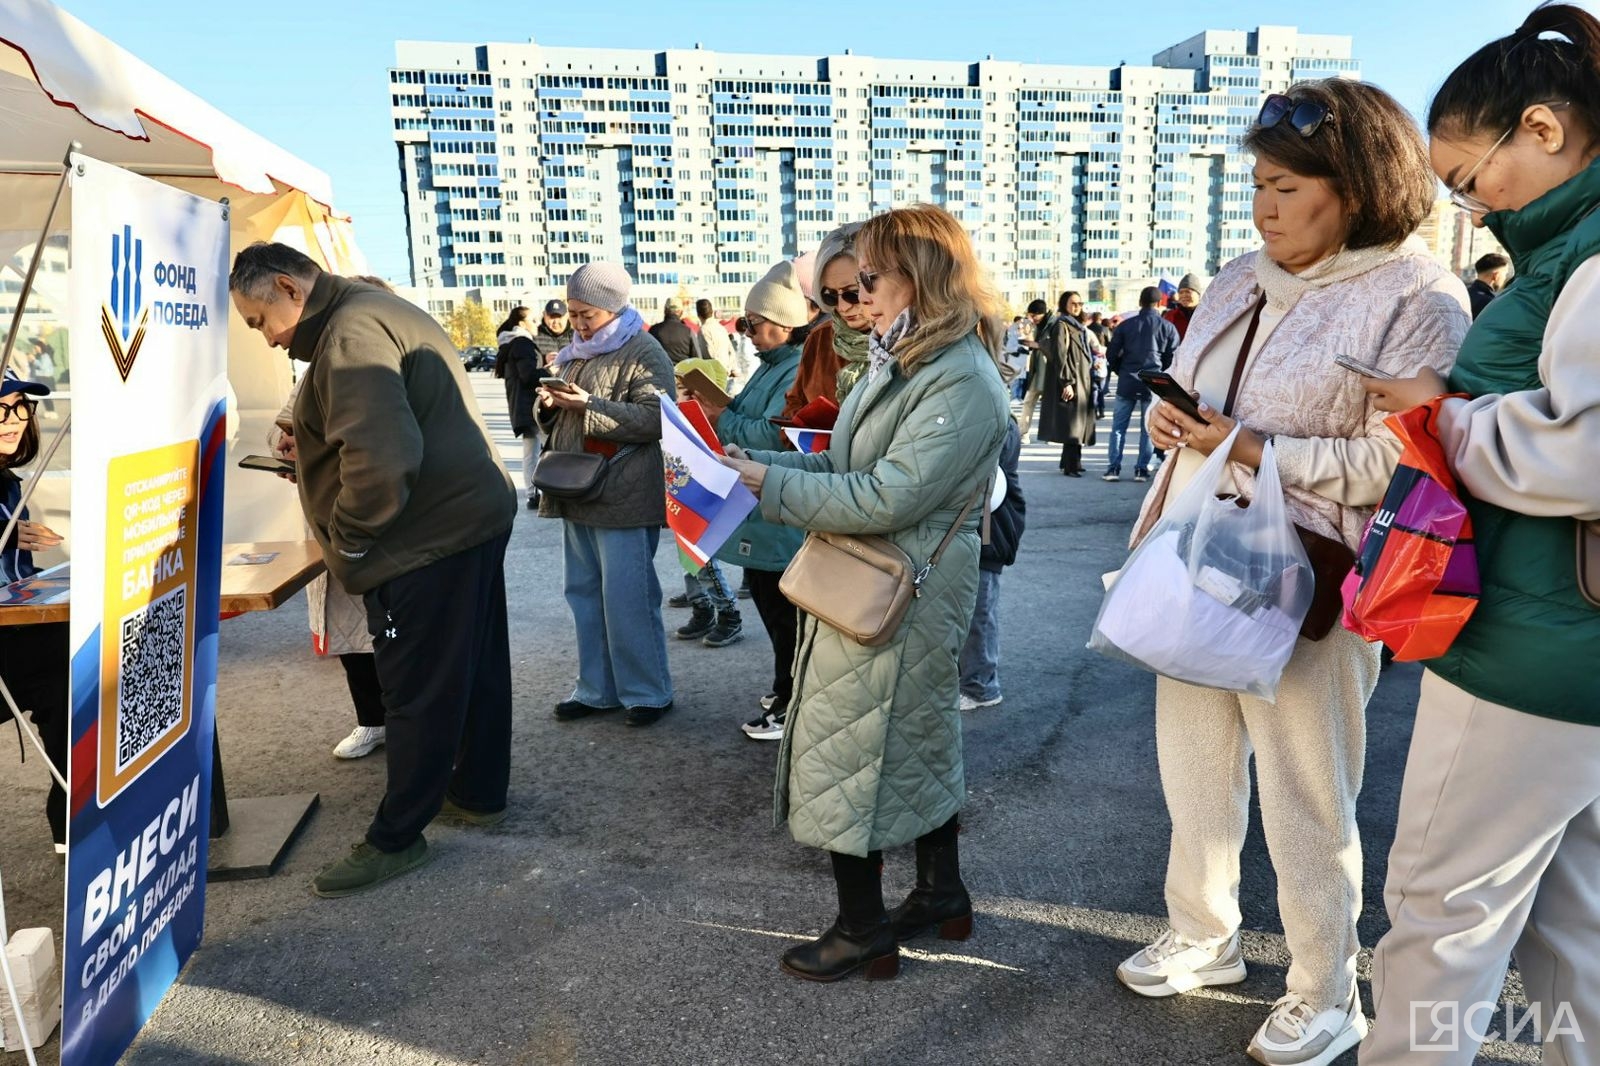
(412, 508)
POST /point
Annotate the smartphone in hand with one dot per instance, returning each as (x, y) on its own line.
(1354, 365)
(1166, 386)
(271, 464)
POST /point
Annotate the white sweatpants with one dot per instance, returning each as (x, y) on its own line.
(1310, 753)
(1497, 851)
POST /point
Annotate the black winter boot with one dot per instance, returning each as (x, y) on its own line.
(703, 621)
(940, 900)
(861, 939)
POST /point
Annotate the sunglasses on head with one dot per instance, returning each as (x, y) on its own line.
(1306, 116)
(831, 297)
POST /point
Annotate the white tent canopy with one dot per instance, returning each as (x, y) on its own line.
(126, 112)
(61, 82)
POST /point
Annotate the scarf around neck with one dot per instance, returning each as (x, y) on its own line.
(608, 338)
(852, 346)
(1284, 289)
(882, 348)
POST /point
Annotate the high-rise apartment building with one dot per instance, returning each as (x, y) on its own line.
(698, 169)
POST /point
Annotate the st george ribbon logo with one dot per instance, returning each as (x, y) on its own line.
(124, 319)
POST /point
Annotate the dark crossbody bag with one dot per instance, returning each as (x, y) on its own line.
(576, 476)
(1330, 559)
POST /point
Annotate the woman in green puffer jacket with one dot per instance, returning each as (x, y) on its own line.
(871, 755)
(1497, 846)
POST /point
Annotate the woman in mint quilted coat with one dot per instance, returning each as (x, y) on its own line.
(871, 757)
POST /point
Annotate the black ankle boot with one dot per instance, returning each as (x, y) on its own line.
(940, 900)
(842, 950)
(862, 938)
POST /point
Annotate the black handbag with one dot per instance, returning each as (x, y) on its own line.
(576, 476)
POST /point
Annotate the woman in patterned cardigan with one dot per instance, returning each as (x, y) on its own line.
(1341, 184)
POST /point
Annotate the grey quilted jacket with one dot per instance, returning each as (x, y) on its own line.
(872, 750)
(624, 408)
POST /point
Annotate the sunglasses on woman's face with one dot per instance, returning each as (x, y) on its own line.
(869, 279)
(831, 297)
(1306, 116)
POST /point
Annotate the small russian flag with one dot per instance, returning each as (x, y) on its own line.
(705, 501)
(808, 440)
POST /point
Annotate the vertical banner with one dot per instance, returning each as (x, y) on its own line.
(149, 316)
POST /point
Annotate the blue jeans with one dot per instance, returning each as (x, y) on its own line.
(1019, 386)
(709, 587)
(1119, 434)
(980, 656)
(615, 596)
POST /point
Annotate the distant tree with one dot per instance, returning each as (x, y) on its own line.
(470, 325)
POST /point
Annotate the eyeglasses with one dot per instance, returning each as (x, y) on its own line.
(1458, 193)
(831, 297)
(1306, 116)
(754, 321)
(22, 410)
(1460, 197)
(869, 280)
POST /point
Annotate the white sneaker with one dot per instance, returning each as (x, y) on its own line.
(972, 703)
(768, 701)
(363, 740)
(1173, 965)
(1296, 1035)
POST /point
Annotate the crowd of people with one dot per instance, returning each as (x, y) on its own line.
(895, 323)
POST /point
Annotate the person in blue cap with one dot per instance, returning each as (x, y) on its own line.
(33, 659)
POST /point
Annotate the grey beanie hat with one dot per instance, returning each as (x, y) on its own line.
(777, 297)
(1190, 281)
(602, 285)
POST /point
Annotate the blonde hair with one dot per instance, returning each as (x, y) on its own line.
(954, 295)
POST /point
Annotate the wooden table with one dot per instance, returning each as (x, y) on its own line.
(263, 586)
(248, 836)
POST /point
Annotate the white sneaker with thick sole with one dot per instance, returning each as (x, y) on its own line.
(972, 703)
(363, 740)
(1173, 965)
(1296, 1034)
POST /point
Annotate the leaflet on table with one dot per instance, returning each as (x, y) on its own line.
(44, 589)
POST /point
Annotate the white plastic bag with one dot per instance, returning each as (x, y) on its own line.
(1216, 593)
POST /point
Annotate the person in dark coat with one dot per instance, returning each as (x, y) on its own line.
(1145, 342)
(1066, 414)
(520, 363)
(554, 332)
(980, 656)
(672, 334)
(1492, 269)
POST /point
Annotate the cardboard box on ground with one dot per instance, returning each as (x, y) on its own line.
(31, 955)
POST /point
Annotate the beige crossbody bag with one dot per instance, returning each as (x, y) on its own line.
(860, 584)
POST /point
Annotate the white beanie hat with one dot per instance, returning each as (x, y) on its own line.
(602, 285)
(777, 298)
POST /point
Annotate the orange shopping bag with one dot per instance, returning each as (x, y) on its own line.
(1415, 582)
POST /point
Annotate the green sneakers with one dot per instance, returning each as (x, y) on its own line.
(366, 866)
(452, 814)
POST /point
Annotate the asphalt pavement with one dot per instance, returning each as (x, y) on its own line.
(632, 908)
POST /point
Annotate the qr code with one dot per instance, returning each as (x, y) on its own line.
(151, 675)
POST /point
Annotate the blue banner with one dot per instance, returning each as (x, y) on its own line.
(149, 320)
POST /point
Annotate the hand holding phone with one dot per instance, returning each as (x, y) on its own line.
(1166, 386)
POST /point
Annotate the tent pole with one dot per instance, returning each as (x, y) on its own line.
(38, 254)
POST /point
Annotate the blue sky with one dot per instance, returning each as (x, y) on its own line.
(312, 77)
